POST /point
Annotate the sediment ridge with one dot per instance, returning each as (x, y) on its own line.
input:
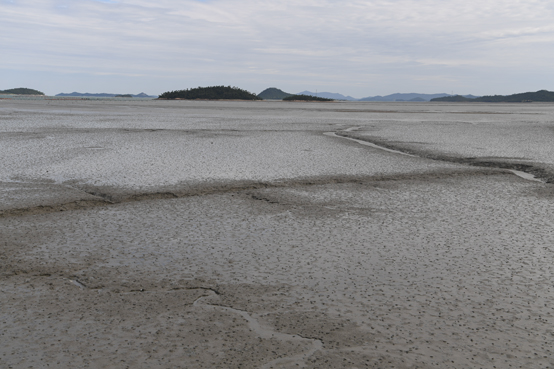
(118, 196)
(538, 172)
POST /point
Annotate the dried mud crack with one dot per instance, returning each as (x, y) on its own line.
(203, 190)
(266, 333)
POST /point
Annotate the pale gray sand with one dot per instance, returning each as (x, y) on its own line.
(371, 259)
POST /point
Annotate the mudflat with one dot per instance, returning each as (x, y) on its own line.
(211, 234)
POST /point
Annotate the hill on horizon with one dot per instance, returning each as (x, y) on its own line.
(306, 98)
(210, 93)
(87, 94)
(539, 96)
(328, 95)
(273, 93)
(404, 97)
(21, 91)
(409, 97)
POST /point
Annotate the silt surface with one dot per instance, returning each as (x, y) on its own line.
(198, 234)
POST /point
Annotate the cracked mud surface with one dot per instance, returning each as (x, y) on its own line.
(281, 247)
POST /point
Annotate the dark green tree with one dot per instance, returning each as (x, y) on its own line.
(22, 91)
(210, 93)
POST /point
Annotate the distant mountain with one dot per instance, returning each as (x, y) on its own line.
(306, 98)
(87, 94)
(21, 91)
(412, 97)
(142, 94)
(403, 97)
(273, 93)
(539, 96)
(327, 95)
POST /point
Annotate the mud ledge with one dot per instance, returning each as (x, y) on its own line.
(111, 196)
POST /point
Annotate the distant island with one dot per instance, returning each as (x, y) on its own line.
(396, 97)
(539, 96)
(273, 93)
(408, 97)
(21, 91)
(87, 94)
(210, 93)
(306, 98)
(455, 98)
(328, 95)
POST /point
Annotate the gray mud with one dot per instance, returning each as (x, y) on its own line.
(165, 250)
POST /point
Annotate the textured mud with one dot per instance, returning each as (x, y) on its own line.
(343, 256)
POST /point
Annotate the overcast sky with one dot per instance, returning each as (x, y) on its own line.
(354, 47)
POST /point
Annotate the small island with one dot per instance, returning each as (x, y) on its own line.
(305, 98)
(273, 93)
(22, 91)
(210, 93)
(539, 96)
(103, 94)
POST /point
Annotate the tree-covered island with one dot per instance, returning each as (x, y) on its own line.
(539, 96)
(22, 91)
(210, 93)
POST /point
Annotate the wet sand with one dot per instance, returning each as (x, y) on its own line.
(225, 234)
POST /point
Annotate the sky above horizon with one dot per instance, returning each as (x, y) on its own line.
(354, 47)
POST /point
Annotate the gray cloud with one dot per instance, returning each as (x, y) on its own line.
(354, 47)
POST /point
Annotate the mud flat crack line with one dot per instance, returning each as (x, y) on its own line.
(519, 173)
(74, 281)
(266, 333)
(366, 143)
(236, 188)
